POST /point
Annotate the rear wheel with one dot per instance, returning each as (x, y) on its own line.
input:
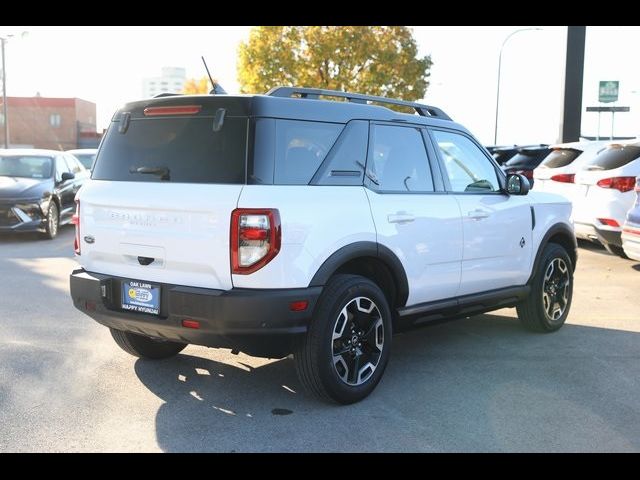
(547, 306)
(145, 347)
(346, 348)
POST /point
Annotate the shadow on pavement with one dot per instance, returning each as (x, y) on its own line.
(470, 385)
(32, 245)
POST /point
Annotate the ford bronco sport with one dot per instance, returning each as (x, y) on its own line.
(288, 223)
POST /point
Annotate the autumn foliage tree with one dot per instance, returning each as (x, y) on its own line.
(195, 86)
(374, 60)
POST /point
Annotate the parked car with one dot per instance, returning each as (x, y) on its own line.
(556, 173)
(631, 228)
(604, 194)
(37, 189)
(502, 153)
(526, 160)
(86, 156)
(288, 223)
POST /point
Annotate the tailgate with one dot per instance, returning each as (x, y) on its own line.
(181, 229)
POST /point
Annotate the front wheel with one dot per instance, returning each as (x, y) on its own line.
(145, 347)
(547, 306)
(51, 222)
(346, 349)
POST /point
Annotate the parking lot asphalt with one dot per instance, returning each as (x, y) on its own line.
(479, 384)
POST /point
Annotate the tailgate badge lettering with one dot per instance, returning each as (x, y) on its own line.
(89, 239)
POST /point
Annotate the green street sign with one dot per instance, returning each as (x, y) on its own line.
(608, 91)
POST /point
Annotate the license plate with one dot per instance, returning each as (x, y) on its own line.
(141, 297)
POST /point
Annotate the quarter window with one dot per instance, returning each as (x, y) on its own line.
(468, 169)
(300, 149)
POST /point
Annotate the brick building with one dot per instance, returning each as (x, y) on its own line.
(54, 123)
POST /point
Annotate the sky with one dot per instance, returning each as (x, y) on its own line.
(106, 65)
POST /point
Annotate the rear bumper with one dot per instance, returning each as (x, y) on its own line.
(631, 241)
(587, 231)
(258, 322)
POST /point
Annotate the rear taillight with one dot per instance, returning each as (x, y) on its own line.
(255, 238)
(631, 231)
(624, 184)
(75, 220)
(609, 221)
(564, 177)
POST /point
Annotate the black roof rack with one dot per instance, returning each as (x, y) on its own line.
(314, 93)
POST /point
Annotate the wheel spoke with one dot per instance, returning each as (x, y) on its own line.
(355, 372)
(555, 289)
(357, 341)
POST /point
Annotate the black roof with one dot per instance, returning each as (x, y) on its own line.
(297, 108)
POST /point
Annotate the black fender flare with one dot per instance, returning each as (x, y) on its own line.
(364, 249)
(557, 228)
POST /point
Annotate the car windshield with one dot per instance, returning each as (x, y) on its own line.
(86, 159)
(28, 166)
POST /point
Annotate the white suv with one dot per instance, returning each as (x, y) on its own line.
(286, 223)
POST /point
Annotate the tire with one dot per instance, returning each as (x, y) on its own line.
(145, 347)
(615, 250)
(339, 363)
(547, 306)
(52, 222)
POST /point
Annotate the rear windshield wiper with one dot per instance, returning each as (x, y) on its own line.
(162, 172)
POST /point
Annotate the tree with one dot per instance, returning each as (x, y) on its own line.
(374, 60)
(194, 86)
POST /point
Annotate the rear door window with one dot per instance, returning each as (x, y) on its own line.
(187, 150)
(614, 156)
(560, 157)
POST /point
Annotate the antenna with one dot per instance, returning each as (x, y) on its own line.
(216, 88)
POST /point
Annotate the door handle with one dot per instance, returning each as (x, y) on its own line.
(400, 218)
(478, 214)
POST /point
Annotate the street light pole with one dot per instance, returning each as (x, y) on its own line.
(495, 132)
(5, 120)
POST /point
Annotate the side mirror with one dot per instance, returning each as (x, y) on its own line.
(68, 176)
(517, 184)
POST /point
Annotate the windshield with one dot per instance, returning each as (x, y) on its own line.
(86, 159)
(25, 166)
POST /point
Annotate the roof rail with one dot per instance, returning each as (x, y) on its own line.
(314, 93)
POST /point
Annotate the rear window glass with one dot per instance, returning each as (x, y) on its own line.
(183, 150)
(527, 158)
(613, 157)
(560, 158)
